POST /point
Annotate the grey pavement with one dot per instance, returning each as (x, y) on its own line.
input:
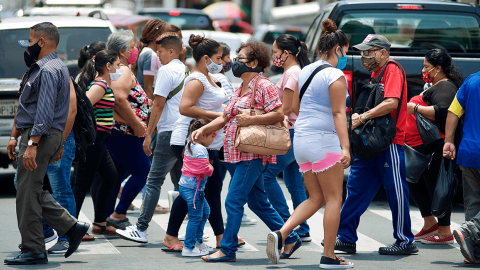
(111, 252)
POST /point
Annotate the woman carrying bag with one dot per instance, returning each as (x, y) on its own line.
(432, 104)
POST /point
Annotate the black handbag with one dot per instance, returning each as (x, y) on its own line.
(415, 163)
(376, 135)
(444, 190)
(428, 131)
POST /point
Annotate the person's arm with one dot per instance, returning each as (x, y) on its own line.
(338, 99)
(449, 150)
(13, 143)
(121, 89)
(95, 93)
(427, 111)
(296, 101)
(213, 126)
(155, 115)
(287, 104)
(148, 86)
(72, 113)
(188, 104)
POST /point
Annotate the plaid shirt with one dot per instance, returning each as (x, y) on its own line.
(266, 98)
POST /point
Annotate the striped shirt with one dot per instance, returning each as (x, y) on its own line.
(104, 107)
(45, 97)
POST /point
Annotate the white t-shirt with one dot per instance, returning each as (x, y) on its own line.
(315, 115)
(169, 77)
(226, 84)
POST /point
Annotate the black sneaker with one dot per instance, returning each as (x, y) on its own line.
(396, 249)
(305, 237)
(59, 248)
(344, 246)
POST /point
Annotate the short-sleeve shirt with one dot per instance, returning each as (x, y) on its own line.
(103, 109)
(393, 81)
(198, 151)
(266, 98)
(468, 96)
(287, 82)
(412, 136)
(148, 64)
(315, 116)
(169, 77)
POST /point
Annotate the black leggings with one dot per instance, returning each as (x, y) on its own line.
(213, 190)
(422, 192)
(98, 160)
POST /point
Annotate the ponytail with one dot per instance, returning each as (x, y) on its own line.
(440, 57)
(194, 125)
(94, 66)
(298, 48)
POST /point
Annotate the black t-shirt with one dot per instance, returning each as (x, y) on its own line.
(440, 96)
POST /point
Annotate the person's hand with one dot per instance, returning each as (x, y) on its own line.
(59, 156)
(29, 158)
(244, 119)
(355, 121)
(146, 145)
(11, 149)
(449, 151)
(345, 160)
(196, 135)
(184, 50)
(139, 129)
(411, 107)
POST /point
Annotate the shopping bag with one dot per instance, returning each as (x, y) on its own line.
(445, 189)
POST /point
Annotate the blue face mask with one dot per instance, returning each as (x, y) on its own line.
(342, 61)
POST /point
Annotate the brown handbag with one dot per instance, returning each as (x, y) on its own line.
(263, 139)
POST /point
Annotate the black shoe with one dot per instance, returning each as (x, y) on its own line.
(344, 246)
(305, 237)
(28, 258)
(396, 249)
(75, 236)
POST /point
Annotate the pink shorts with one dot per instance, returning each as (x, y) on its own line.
(317, 153)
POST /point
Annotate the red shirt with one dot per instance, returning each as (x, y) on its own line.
(392, 82)
(412, 136)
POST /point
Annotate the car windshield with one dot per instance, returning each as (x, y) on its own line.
(413, 31)
(184, 21)
(271, 36)
(72, 39)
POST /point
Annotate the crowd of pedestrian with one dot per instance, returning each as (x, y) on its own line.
(147, 115)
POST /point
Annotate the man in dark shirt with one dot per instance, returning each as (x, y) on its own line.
(40, 120)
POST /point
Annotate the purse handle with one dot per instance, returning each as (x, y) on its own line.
(252, 100)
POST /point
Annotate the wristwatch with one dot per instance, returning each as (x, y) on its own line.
(13, 138)
(32, 143)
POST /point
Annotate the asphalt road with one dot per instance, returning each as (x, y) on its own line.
(111, 252)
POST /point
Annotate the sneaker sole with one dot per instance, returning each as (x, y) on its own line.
(399, 253)
(58, 251)
(463, 247)
(133, 240)
(272, 245)
(249, 223)
(51, 238)
(426, 235)
(336, 266)
(195, 255)
(437, 243)
(306, 239)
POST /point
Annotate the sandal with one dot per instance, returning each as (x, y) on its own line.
(209, 258)
(103, 229)
(121, 224)
(329, 263)
(172, 249)
(87, 238)
(295, 247)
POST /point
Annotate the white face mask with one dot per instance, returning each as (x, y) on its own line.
(115, 76)
(213, 67)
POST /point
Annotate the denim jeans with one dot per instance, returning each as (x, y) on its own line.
(197, 217)
(247, 186)
(59, 177)
(163, 161)
(294, 182)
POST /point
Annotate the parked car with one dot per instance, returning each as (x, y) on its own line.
(268, 32)
(72, 8)
(136, 23)
(75, 32)
(184, 18)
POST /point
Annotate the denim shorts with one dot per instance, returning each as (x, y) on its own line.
(317, 152)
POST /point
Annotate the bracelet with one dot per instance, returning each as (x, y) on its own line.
(364, 115)
(13, 138)
(360, 119)
(416, 107)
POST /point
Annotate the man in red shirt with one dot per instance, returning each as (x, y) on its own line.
(388, 168)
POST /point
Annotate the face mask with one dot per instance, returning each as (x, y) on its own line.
(214, 67)
(34, 51)
(369, 63)
(342, 61)
(278, 61)
(133, 56)
(115, 76)
(28, 59)
(238, 68)
(426, 76)
(227, 66)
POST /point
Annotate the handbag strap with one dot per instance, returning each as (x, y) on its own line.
(309, 80)
(252, 100)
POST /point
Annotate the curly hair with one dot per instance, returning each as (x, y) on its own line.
(257, 50)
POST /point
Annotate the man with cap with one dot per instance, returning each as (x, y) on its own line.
(40, 120)
(388, 168)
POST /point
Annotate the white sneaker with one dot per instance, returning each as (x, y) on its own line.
(248, 221)
(172, 195)
(195, 252)
(182, 237)
(203, 247)
(131, 233)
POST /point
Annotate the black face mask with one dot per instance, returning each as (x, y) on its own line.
(238, 68)
(34, 51)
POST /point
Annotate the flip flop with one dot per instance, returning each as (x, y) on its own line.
(172, 249)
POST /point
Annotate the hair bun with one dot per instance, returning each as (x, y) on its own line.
(329, 26)
(194, 40)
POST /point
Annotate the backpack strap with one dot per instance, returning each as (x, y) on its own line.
(379, 77)
(180, 86)
(309, 80)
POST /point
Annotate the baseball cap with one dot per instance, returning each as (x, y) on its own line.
(373, 41)
(24, 43)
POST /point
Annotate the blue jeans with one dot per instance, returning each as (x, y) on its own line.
(59, 177)
(247, 186)
(294, 182)
(197, 217)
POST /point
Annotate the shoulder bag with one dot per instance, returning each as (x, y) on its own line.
(263, 139)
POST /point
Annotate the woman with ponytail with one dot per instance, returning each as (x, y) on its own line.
(291, 54)
(87, 52)
(433, 104)
(98, 160)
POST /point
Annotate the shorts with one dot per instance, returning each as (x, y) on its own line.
(317, 152)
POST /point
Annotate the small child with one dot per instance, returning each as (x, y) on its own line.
(196, 169)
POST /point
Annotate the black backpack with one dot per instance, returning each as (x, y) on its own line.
(375, 136)
(85, 126)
